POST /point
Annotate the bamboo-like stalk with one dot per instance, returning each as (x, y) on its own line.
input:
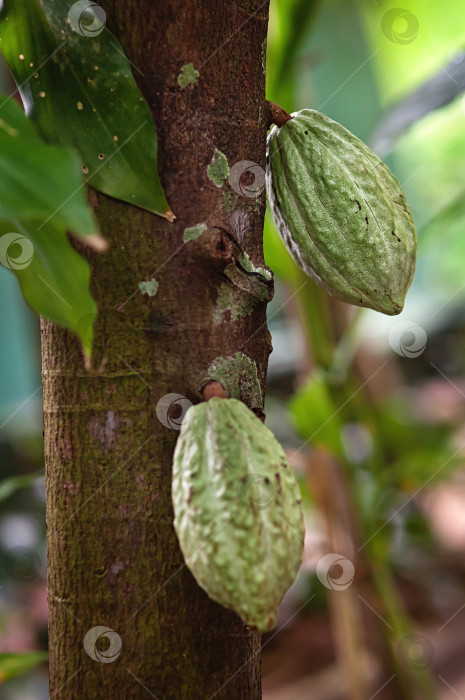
(418, 679)
(329, 491)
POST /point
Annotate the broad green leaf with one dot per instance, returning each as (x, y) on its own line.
(315, 415)
(12, 484)
(12, 665)
(39, 181)
(54, 278)
(77, 85)
(42, 197)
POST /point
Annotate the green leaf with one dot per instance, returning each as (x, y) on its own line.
(315, 416)
(14, 483)
(41, 197)
(12, 665)
(38, 181)
(77, 85)
(54, 278)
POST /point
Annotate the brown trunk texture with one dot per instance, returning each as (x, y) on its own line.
(114, 560)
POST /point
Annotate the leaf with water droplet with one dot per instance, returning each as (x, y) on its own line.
(81, 92)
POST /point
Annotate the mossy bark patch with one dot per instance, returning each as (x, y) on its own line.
(238, 374)
(246, 264)
(190, 234)
(188, 75)
(150, 287)
(218, 170)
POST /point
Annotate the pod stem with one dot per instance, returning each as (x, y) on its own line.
(213, 389)
(277, 115)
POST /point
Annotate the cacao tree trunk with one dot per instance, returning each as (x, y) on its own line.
(114, 559)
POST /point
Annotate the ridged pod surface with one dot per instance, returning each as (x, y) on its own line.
(341, 212)
(238, 512)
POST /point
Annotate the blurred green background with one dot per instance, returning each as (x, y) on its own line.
(370, 409)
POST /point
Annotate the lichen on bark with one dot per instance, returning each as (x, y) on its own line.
(218, 169)
(238, 375)
(245, 287)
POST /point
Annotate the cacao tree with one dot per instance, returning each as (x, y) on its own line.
(161, 110)
(114, 560)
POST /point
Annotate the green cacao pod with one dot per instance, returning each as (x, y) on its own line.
(341, 212)
(237, 506)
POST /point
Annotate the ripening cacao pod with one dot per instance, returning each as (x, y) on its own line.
(341, 212)
(237, 506)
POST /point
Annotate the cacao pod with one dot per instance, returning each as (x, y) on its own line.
(237, 506)
(341, 212)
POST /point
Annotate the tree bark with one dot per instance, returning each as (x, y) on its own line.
(114, 559)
